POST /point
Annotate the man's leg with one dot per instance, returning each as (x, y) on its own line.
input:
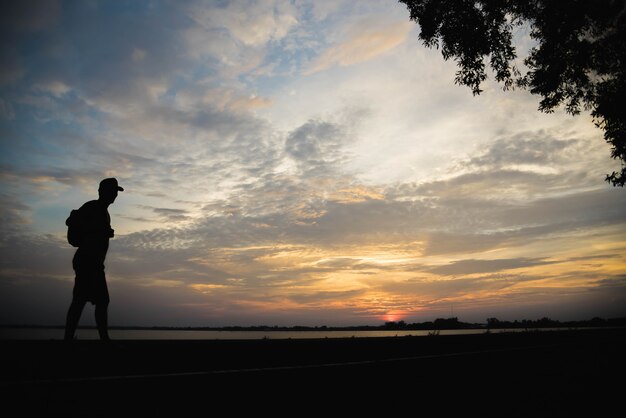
(73, 315)
(102, 320)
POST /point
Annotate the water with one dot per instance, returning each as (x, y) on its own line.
(150, 334)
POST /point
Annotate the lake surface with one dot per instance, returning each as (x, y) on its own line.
(150, 334)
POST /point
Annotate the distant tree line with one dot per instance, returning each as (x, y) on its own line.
(437, 324)
(495, 323)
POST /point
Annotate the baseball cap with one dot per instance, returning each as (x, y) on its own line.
(110, 184)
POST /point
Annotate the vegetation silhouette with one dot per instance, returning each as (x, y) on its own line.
(89, 228)
(437, 324)
(579, 59)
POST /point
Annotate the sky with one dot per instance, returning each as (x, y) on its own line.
(291, 163)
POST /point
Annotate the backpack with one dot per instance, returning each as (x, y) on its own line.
(74, 228)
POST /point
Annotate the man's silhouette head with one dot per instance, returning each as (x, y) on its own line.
(108, 190)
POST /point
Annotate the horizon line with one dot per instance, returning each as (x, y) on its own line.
(383, 325)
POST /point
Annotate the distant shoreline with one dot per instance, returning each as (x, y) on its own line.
(438, 324)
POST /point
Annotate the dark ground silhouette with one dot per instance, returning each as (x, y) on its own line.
(535, 373)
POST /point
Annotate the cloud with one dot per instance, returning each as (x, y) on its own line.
(223, 99)
(18, 20)
(526, 148)
(445, 225)
(366, 40)
(42, 177)
(13, 216)
(169, 215)
(30, 15)
(356, 193)
(315, 143)
(31, 256)
(236, 38)
(463, 267)
(6, 110)
(253, 24)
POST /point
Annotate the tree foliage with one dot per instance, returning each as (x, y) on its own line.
(579, 60)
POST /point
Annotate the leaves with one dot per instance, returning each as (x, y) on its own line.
(579, 62)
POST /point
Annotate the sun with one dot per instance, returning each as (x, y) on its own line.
(392, 317)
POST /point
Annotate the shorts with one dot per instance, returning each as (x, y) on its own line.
(90, 285)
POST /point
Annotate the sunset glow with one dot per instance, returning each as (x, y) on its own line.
(392, 317)
(292, 163)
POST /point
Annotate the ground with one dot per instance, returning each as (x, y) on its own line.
(547, 373)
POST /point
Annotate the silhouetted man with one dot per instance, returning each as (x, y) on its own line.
(90, 285)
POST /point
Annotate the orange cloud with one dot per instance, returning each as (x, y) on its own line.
(356, 194)
(364, 45)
